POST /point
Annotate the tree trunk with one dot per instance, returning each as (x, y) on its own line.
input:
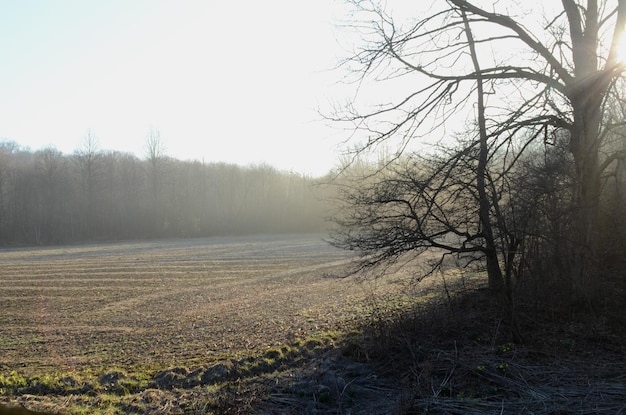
(584, 240)
(494, 273)
(587, 91)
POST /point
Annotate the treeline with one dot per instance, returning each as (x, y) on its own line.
(47, 197)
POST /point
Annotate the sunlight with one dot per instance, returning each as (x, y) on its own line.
(620, 49)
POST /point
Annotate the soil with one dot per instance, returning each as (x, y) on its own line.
(274, 324)
(110, 311)
(166, 302)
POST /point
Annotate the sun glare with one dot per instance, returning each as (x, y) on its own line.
(620, 49)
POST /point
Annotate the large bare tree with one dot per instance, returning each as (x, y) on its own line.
(539, 75)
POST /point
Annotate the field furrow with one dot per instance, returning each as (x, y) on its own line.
(160, 303)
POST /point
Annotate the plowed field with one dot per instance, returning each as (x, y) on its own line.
(164, 303)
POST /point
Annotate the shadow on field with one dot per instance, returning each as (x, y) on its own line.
(456, 357)
(449, 355)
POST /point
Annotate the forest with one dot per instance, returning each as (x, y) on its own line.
(47, 197)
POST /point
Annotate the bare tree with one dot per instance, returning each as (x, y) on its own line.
(155, 156)
(541, 78)
(155, 147)
(87, 159)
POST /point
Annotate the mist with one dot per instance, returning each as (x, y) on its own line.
(48, 197)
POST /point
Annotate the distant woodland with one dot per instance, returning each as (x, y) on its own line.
(47, 197)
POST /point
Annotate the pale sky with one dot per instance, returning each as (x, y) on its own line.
(230, 81)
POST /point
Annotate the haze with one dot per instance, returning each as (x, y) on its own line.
(221, 81)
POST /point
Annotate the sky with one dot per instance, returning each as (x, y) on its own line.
(237, 82)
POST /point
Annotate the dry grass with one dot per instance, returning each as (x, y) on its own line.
(455, 356)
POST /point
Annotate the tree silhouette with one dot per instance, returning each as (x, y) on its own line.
(524, 78)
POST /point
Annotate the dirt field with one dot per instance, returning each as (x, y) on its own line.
(256, 325)
(164, 303)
